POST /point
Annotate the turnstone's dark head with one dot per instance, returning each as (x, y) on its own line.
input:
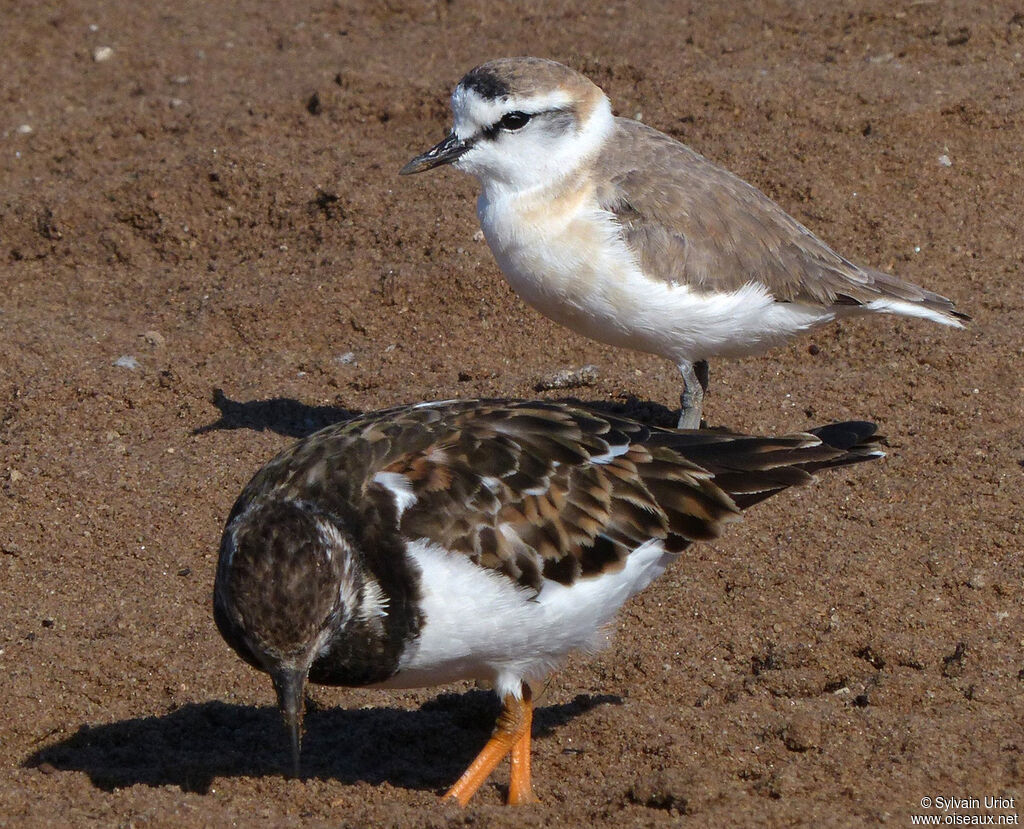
(288, 584)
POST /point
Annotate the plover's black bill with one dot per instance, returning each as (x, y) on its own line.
(444, 153)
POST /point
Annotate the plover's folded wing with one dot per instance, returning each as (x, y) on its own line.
(690, 222)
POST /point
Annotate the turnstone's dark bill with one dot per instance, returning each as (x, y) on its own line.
(478, 540)
(627, 236)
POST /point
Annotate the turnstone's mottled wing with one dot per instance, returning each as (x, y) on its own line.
(691, 222)
(543, 490)
(552, 491)
(528, 489)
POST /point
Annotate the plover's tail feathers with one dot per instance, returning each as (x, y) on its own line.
(897, 296)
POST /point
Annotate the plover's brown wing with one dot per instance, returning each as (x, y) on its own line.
(691, 222)
(548, 490)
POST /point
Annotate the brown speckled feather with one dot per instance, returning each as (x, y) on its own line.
(535, 489)
(691, 222)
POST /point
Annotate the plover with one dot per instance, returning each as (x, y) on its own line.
(478, 540)
(625, 235)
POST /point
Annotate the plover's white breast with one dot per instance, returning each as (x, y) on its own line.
(566, 257)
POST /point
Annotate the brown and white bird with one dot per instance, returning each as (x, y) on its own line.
(478, 540)
(625, 235)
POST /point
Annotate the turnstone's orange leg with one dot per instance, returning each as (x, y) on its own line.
(519, 789)
(511, 734)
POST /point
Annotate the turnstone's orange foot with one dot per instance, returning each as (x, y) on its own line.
(511, 737)
(624, 235)
(478, 540)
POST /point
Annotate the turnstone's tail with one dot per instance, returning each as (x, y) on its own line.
(857, 439)
(751, 469)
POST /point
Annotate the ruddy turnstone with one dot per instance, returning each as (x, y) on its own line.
(478, 540)
(623, 234)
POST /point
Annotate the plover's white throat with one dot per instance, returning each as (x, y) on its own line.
(478, 540)
(625, 235)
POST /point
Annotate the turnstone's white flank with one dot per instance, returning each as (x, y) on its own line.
(477, 540)
(627, 236)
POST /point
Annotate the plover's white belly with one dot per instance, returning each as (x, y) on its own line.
(478, 624)
(576, 270)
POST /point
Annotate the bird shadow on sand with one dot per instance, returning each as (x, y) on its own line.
(278, 414)
(292, 418)
(426, 748)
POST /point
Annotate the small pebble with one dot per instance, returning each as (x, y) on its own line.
(568, 378)
(802, 732)
(668, 790)
(102, 53)
(25, 129)
(945, 160)
(127, 361)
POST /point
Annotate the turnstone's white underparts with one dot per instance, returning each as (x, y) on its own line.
(623, 234)
(478, 540)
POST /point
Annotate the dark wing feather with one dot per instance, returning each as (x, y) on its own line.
(751, 469)
(570, 492)
(540, 490)
(541, 505)
(691, 222)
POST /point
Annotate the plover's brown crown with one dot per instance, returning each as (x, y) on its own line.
(524, 78)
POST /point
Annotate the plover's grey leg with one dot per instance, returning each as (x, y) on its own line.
(691, 401)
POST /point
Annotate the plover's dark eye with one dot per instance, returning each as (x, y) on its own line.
(514, 121)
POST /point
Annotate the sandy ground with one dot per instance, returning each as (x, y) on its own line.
(203, 261)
